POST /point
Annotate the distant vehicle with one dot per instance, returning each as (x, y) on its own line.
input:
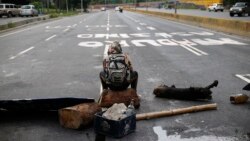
(9, 10)
(117, 8)
(103, 9)
(121, 9)
(216, 7)
(240, 8)
(28, 10)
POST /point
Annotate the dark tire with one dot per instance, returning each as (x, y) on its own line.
(240, 14)
(215, 10)
(231, 14)
(9, 15)
(222, 10)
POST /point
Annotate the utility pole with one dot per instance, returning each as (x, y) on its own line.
(81, 7)
(175, 8)
(47, 5)
(135, 3)
(67, 7)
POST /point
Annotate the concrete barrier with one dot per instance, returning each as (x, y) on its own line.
(228, 26)
(22, 22)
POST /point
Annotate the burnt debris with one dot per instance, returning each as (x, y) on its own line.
(191, 93)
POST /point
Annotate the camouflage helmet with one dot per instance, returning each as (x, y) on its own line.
(116, 46)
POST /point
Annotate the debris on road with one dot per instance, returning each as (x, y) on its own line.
(115, 112)
(192, 93)
(239, 99)
(78, 116)
(48, 104)
(117, 121)
(152, 115)
(109, 97)
(119, 111)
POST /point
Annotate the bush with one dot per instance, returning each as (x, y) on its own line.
(53, 15)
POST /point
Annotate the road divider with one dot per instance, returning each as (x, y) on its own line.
(241, 28)
(23, 22)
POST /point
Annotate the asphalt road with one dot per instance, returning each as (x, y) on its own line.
(63, 58)
(202, 13)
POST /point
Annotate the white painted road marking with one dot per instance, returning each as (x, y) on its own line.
(138, 28)
(65, 30)
(105, 54)
(151, 28)
(161, 134)
(244, 77)
(143, 24)
(189, 49)
(22, 52)
(50, 38)
(197, 50)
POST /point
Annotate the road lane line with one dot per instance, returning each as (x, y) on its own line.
(143, 24)
(65, 30)
(22, 52)
(196, 49)
(151, 28)
(15, 32)
(50, 38)
(242, 76)
(105, 54)
(189, 49)
(138, 28)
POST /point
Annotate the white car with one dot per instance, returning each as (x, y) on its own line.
(103, 9)
(117, 8)
(9, 10)
(28, 10)
(216, 7)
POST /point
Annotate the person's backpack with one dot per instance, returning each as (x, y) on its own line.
(117, 69)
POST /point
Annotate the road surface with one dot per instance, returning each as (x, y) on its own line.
(63, 58)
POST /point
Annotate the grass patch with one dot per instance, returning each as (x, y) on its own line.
(54, 14)
(11, 25)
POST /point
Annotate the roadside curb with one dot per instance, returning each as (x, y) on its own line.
(241, 28)
(24, 23)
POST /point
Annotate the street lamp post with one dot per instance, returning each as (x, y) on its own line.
(175, 8)
(67, 7)
(146, 5)
(47, 5)
(81, 7)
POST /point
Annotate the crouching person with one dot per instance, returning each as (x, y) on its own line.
(118, 72)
